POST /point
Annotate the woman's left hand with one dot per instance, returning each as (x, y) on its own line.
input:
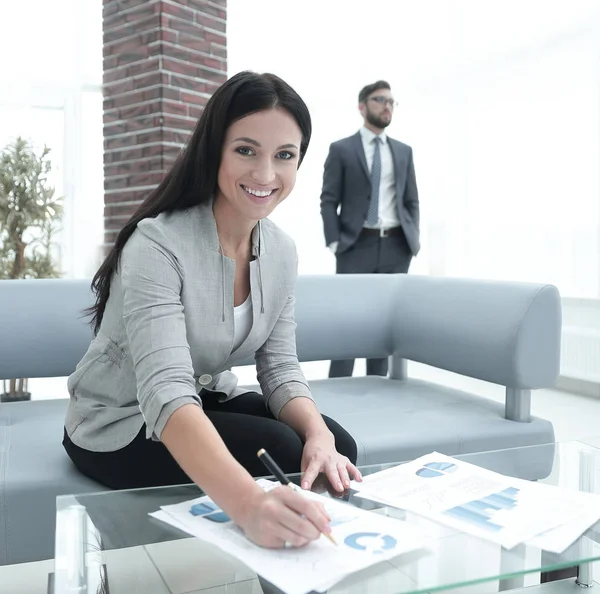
(319, 455)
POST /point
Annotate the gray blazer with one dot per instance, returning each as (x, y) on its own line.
(347, 188)
(168, 332)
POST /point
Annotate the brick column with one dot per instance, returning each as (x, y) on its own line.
(162, 61)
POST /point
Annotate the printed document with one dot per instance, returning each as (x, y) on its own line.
(363, 539)
(480, 502)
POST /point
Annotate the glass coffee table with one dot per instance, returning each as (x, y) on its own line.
(107, 542)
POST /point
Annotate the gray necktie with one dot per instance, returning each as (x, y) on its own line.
(373, 213)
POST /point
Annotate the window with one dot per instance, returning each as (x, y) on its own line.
(52, 95)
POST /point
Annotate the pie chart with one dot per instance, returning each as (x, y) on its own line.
(373, 542)
(433, 469)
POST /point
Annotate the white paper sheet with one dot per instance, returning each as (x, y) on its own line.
(480, 502)
(165, 517)
(562, 537)
(363, 538)
(556, 540)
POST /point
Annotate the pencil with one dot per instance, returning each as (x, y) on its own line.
(274, 469)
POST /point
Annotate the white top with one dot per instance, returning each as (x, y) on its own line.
(242, 322)
(388, 216)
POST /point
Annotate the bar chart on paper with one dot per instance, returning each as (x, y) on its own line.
(481, 512)
(486, 504)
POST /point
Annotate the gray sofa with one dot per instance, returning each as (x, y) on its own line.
(506, 333)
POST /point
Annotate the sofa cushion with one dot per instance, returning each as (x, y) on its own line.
(394, 420)
(34, 470)
(391, 421)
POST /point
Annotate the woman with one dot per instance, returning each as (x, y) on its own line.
(198, 280)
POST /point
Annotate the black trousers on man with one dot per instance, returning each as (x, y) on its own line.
(372, 253)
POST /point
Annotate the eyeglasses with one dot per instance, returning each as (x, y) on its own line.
(384, 101)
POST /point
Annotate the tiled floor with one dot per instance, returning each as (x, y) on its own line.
(574, 418)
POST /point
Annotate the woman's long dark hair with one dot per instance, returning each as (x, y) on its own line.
(193, 178)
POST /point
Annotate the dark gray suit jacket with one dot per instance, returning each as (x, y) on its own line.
(347, 191)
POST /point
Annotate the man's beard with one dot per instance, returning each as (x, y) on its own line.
(377, 121)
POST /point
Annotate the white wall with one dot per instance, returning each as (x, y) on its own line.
(500, 101)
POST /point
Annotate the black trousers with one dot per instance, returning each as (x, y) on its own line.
(372, 254)
(245, 425)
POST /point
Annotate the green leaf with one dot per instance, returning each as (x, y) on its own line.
(28, 207)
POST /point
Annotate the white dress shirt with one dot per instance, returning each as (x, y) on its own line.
(388, 215)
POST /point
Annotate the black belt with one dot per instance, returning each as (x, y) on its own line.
(383, 232)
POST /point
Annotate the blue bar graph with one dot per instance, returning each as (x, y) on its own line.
(480, 511)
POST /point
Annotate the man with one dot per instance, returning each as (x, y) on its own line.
(369, 202)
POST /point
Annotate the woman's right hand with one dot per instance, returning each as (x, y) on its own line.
(281, 516)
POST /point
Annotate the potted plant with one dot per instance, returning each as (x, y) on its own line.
(29, 215)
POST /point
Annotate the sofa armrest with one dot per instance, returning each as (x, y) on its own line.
(500, 332)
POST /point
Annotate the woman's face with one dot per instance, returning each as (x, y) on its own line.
(259, 162)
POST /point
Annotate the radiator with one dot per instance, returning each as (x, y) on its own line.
(580, 353)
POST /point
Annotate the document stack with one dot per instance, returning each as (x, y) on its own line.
(492, 506)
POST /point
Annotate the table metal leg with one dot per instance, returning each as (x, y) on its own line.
(70, 574)
(587, 469)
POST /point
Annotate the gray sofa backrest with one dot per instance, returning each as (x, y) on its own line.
(443, 322)
(42, 331)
